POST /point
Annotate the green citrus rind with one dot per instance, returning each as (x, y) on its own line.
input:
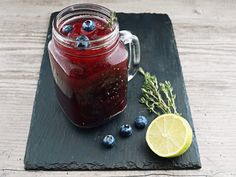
(183, 127)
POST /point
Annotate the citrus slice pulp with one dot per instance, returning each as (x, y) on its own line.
(169, 135)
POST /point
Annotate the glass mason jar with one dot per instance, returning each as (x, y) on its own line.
(91, 68)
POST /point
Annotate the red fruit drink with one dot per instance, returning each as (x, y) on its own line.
(90, 81)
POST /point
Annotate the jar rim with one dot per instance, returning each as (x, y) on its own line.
(95, 9)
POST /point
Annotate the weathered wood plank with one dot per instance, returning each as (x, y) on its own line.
(206, 40)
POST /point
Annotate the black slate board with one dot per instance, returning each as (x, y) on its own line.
(55, 144)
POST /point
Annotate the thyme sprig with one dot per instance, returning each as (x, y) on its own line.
(112, 19)
(158, 97)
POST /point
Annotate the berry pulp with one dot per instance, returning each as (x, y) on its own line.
(91, 86)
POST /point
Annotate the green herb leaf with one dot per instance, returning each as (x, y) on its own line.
(158, 97)
(112, 19)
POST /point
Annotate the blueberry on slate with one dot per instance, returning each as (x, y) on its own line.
(82, 42)
(89, 25)
(67, 28)
(126, 130)
(141, 122)
(108, 141)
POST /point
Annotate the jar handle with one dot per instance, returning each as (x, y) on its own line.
(134, 52)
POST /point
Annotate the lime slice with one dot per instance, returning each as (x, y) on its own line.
(169, 135)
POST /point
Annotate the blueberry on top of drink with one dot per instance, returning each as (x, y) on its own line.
(66, 29)
(89, 25)
(82, 42)
(93, 28)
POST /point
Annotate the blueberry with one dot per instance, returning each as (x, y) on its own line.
(141, 122)
(126, 130)
(89, 25)
(82, 42)
(108, 141)
(67, 28)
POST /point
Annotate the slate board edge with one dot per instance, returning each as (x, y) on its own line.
(84, 167)
(92, 167)
(48, 38)
(186, 95)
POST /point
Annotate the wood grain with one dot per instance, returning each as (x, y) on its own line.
(206, 40)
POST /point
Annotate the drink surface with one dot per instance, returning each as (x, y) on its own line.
(91, 87)
(101, 28)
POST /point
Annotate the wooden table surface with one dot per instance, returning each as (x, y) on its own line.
(206, 38)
